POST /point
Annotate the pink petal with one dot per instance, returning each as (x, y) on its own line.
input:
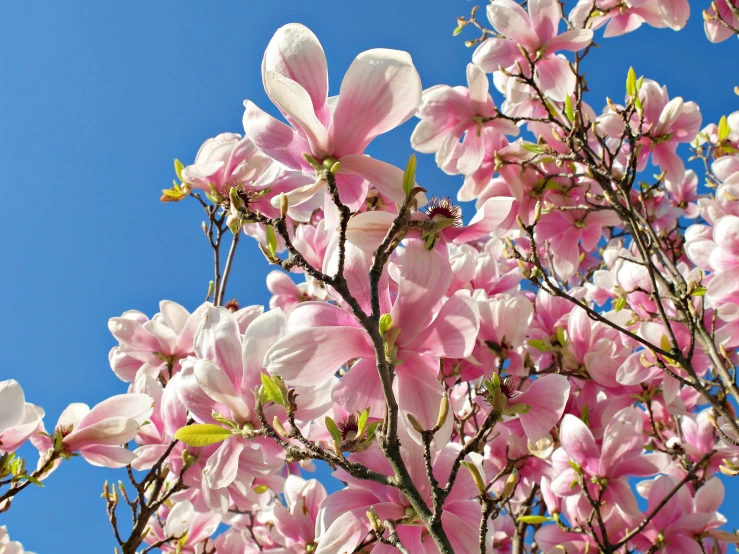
(547, 397)
(360, 389)
(511, 21)
(577, 440)
(295, 52)
(555, 77)
(219, 341)
(675, 13)
(425, 277)
(134, 406)
(222, 467)
(570, 40)
(312, 356)
(487, 219)
(367, 230)
(479, 85)
(277, 140)
(380, 91)
(622, 435)
(217, 385)
(295, 103)
(453, 332)
(494, 53)
(385, 177)
(545, 16)
(107, 456)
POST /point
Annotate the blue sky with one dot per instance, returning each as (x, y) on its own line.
(97, 98)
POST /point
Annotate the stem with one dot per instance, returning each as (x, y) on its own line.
(227, 270)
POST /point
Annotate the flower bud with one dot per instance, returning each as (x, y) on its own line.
(510, 484)
(415, 424)
(443, 411)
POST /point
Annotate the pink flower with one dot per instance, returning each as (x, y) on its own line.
(297, 521)
(343, 521)
(10, 547)
(380, 91)
(448, 113)
(537, 33)
(619, 456)
(715, 30)
(98, 434)
(322, 337)
(183, 523)
(626, 16)
(18, 418)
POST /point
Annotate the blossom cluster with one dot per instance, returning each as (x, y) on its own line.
(522, 378)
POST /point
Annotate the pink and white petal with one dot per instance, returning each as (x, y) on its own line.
(675, 13)
(511, 21)
(472, 153)
(293, 100)
(621, 436)
(308, 315)
(462, 534)
(360, 388)
(453, 333)
(310, 357)
(175, 316)
(345, 533)
(570, 40)
(487, 219)
(222, 467)
(567, 260)
(12, 400)
(425, 276)
(547, 397)
(276, 139)
(641, 466)
(545, 16)
(352, 191)
(417, 375)
(665, 157)
(385, 177)
(495, 53)
(295, 52)
(478, 84)
(430, 134)
(380, 91)
(410, 538)
(259, 336)
(710, 496)
(218, 340)
(577, 440)
(147, 456)
(368, 229)
(216, 383)
(107, 456)
(555, 77)
(135, 406)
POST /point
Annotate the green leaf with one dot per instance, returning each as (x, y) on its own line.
(333, 429)
(569, 110)
(202, 434)
(386, 322)
(620, 303)
(270, 390)
(723, 129)
(362, 421)
(271, 240)
(178, 167)
(539, 344)
(534, 520)
(409, 177)
(700, 291)
(534, 148)
(631, 82)
(33, 480)
(457, 30)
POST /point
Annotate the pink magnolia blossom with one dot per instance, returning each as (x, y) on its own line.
(183, 523)
(10, 547)
(296, 522)
(98, 433)
(425, 327)
(619, 456)
(448, 113)
(621, 17)
(343, 522)
(380, 91)
(715, 31)
(18, 418)
(537, 32)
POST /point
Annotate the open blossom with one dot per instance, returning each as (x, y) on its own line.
(380, 91)
(343, 521)
(101, 433)
(536, 32)
(183, 523)
(715, 30)
(625, 16)
(448, 113)
(18, 418)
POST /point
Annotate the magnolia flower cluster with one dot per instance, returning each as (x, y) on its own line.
(514, 384)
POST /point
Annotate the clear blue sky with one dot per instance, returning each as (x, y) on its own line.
(97, 98)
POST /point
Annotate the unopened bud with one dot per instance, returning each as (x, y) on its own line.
(279, 428)
(415, 424)
(374, 520)
(476, 477)
(284, 205)
(335, 168)
(510, 484)
(712, 419)
(443, 411)
(537, 211)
